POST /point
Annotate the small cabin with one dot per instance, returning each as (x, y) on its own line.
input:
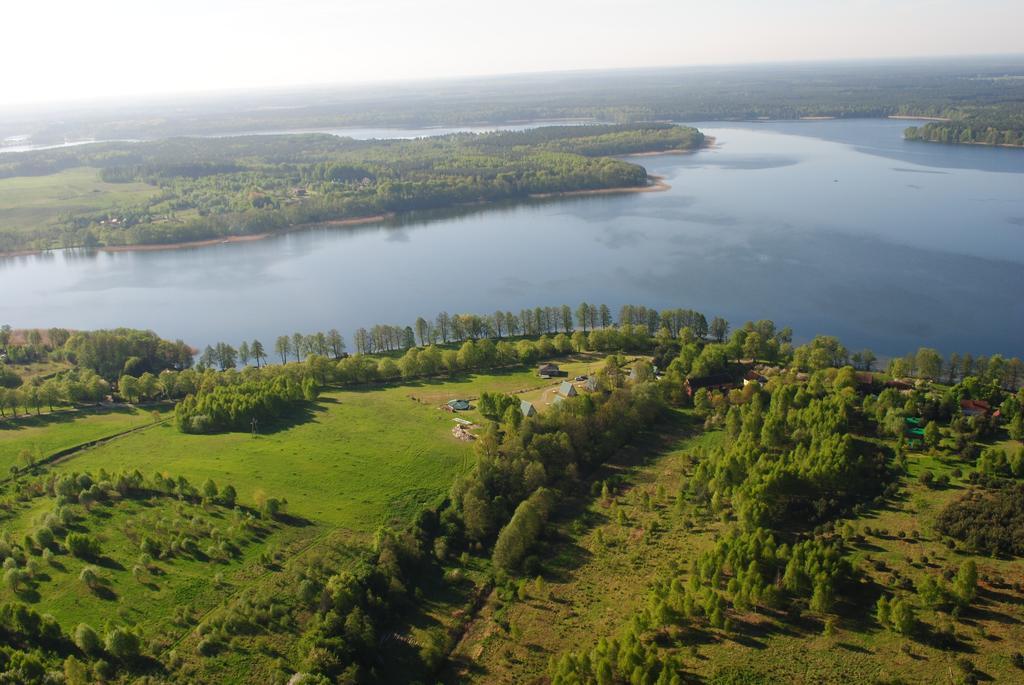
(591, 385)
(567, 389)
(975, 407)
(527, 408)
(753, 377)
(549, 370)
(717, 381)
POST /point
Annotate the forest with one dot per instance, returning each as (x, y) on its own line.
(218, 187)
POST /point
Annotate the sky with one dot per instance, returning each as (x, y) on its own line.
(66, 50)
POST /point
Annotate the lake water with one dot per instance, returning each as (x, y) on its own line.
(834, 227)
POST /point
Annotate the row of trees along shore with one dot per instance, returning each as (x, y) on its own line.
(140, 366)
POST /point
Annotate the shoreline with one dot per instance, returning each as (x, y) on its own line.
(248, 238)
(709, 143)
(910, 117)
(656, 184)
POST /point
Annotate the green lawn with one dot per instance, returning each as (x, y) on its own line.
(362, 459)
(48, 433)
(28, 203)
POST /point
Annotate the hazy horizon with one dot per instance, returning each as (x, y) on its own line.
(114, 48)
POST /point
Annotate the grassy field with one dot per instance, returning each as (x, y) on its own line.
(51, 432)
(161, 600)
(363, 458)
(28, 203)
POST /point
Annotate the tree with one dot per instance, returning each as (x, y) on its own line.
(283, 347)
(423, 330)
(256, 349)
(443, 326)
(883, 612)
(566, 318)
(228, 496)
(932, 434)
(605, 315)
(719, 328)
(902, 615)
(336, 342)
(583, 316)
(298, 345)
(128, 387)
(244, 354)
(965, 583)
(928, 363)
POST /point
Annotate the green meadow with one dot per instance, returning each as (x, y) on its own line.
(50, 432)
(357, 458)
(28, 203)
(161, 596)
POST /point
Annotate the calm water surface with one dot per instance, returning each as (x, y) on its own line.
(831, 227)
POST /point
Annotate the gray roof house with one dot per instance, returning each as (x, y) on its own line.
(527, 408)
(567, 389)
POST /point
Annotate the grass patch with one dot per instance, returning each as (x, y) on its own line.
(50, 432)
(30, 203)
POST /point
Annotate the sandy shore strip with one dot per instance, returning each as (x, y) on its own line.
(912, 117)
(357, 221)
(655, 184)
(708, 144)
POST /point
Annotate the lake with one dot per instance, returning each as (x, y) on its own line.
(832, 227)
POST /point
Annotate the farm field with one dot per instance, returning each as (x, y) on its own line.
(28, 203)
(44, 434)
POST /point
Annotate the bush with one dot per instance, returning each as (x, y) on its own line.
(82, 546)
(86, 639)
(122, 644)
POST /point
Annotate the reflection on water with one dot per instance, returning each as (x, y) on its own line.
(777, 221)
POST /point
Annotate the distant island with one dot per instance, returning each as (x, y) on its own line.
(196, 190)
(965, 134)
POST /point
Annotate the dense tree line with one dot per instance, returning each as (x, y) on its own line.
(111, 353)
(930, 364)
(987, 523)
(237, 405)
(965, 134)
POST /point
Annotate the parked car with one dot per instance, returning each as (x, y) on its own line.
(580, 378)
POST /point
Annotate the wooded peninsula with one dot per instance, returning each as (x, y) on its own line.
(191, 189)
